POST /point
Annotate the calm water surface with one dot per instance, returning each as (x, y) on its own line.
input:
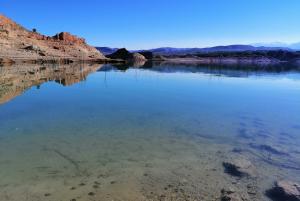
(98, 133)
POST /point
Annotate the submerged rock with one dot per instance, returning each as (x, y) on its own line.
(230, 195)
(285, 191)
(239, 167)
(47, 194)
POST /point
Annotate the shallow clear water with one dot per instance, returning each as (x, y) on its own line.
(98, 133)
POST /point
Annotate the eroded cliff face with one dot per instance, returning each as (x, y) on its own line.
(14, 80)
(16, 42)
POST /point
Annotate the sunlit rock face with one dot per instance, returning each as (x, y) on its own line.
(67, 37)
(14, 80)
(19, 43)
(138, 57)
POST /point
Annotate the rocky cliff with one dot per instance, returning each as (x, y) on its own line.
(16, 42)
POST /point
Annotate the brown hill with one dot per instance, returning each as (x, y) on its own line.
(16, 42)
(125, 55)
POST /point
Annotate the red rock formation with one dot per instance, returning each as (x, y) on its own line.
(15, 40)
(67, 37)
(6, 23)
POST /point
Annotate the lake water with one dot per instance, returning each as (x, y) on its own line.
(95, 132)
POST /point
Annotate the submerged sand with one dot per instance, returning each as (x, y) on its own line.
(116, 149)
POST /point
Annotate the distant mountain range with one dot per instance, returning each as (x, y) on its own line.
(294, 46)
(228, 48)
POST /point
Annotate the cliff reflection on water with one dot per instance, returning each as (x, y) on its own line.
(214, 70)
(16, 79)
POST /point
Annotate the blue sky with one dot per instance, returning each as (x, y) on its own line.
(137, 24)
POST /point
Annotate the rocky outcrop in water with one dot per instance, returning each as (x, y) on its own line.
(16, 42)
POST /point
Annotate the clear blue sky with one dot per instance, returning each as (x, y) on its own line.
(139, 24)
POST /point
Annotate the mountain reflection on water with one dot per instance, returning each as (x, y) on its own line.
(216, 70)
(16, 79)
